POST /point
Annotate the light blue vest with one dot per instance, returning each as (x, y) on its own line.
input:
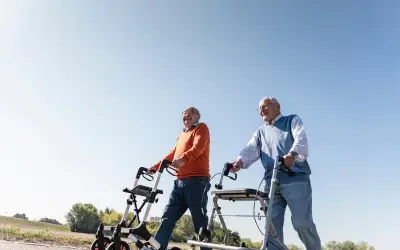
(277, 140)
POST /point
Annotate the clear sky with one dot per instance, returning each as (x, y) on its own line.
(92, 90)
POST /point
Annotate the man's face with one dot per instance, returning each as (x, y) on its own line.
(268, 110)
(189, 118)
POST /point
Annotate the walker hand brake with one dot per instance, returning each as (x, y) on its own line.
(143, 172)
(227, 170)
(166, 164)
(283, 168)
(174, 170)
(148, 177)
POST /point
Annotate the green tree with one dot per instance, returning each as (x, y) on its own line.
(295, 247)
(51, 221)
(184, 228)
(256, 245)
(83, 218)
(247, 242)
(156, 219)
(112, 217)
(218, 235)
(347, 245)
(364, 246)
(234, 238)
(21, 216)
(179, 235)
(153, 224)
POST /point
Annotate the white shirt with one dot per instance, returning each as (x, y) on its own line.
(251, 153)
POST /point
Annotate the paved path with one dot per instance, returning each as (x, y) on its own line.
(8, 245)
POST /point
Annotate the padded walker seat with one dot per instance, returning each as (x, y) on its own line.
(141, 190)
(242, 194)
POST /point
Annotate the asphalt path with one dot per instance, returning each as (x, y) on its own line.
(9, 245)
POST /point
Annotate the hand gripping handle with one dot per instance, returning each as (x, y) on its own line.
(166, 164)
(227, 169)
(283, 168)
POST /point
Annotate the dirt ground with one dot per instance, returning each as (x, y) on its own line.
(27, 227)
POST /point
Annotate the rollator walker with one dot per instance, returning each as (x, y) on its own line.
(240, 195)
(140, 232)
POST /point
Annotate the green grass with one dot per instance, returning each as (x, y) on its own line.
(15, 222)
(14, 229)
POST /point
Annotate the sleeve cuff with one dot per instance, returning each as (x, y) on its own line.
(244, 161)
(298, 157)
(294, 154)
(185, 157)
(155, 166)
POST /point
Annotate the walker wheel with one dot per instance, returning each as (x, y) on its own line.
(124, 246)
(95, 244)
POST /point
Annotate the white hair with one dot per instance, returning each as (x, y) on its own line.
(192, 109)
(271, 99)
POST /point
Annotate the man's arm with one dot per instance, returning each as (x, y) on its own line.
(200, 141)
(300, 146)
(251, 152)
(169, 156)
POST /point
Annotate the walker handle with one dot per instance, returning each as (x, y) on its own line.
(225, 172)
(166, 164)
(143, 171)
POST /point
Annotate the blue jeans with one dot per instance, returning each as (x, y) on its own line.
(192, 194)
(298, 197)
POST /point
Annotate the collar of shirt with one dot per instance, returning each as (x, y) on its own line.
(276, 118)
(194, 125)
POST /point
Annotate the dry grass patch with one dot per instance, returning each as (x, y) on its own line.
(46, 237)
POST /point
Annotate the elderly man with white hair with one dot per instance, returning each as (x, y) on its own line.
(283, 136)
(191, 156)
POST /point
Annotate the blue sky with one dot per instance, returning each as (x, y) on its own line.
(92, 90)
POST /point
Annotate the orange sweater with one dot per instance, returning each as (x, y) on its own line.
(194, 147)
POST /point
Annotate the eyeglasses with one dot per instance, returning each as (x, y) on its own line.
(188, 113)
(265, 106)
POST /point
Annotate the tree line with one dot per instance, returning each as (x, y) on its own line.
(86, 218)
(46, 220)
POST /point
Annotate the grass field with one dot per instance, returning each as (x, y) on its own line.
(28, 224)
(13, 229)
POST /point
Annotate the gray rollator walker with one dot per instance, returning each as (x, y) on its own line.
(140, 232)
(102, 241)
(240, 195)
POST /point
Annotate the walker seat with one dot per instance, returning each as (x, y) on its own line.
(141, 190)
(241, 194)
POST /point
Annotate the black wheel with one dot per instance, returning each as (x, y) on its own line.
(175, 248)
(95, 244)
(124, 246)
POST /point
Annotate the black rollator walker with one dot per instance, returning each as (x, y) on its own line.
(240, 195)
(140, 232)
